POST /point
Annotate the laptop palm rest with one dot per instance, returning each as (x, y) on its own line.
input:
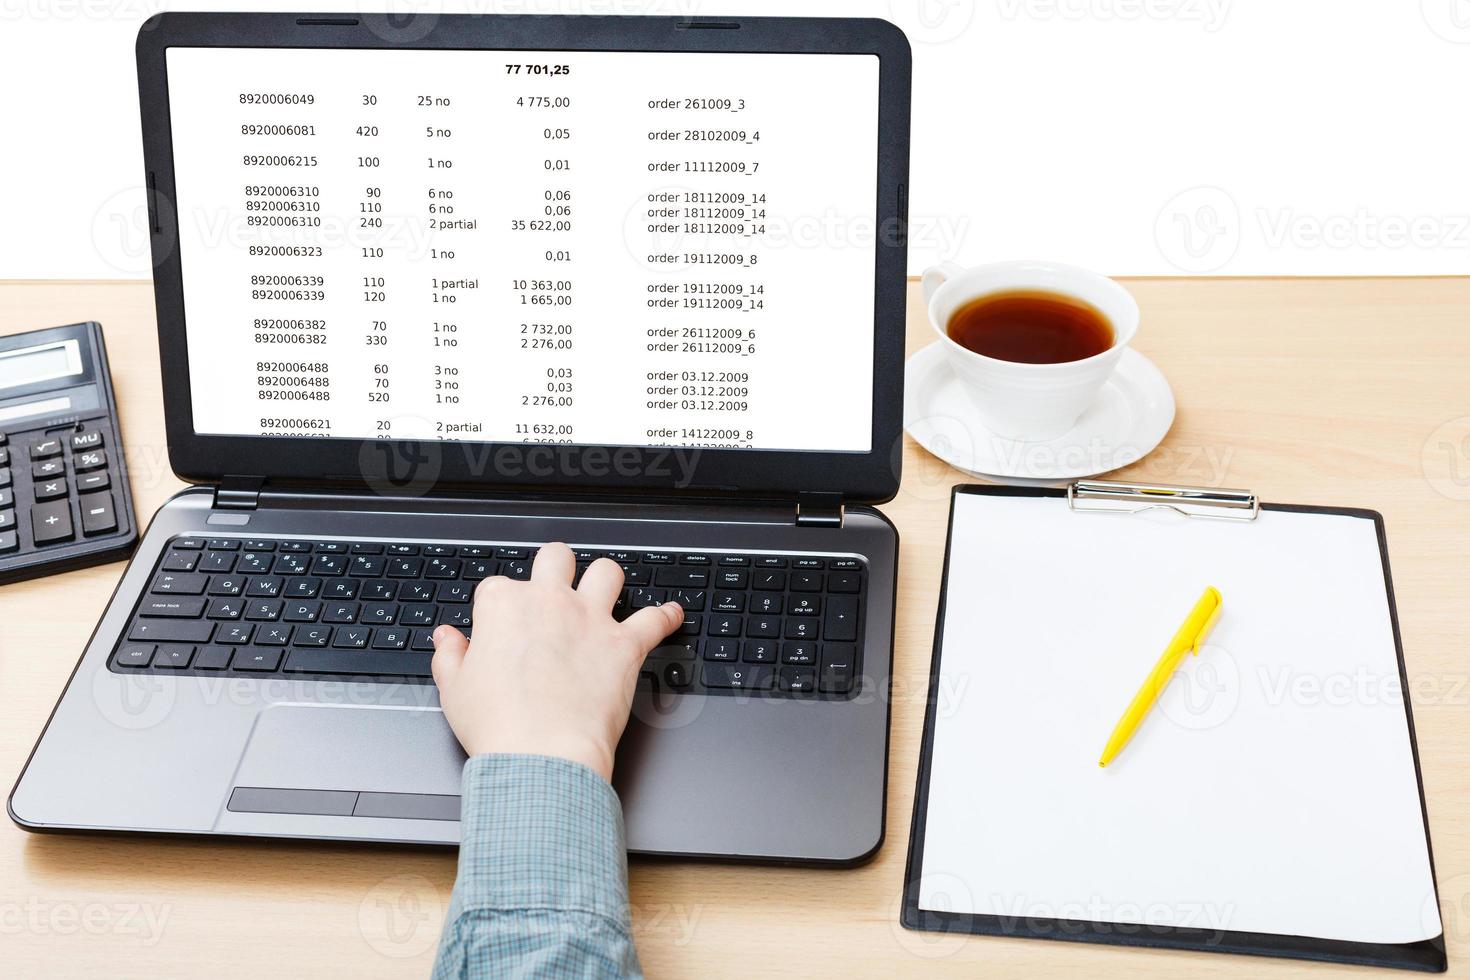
(349, 761)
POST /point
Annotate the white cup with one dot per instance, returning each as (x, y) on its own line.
(1029, 402)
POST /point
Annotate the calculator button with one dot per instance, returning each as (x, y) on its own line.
(8, 541)
(93, 459)
(45, 448)
(48, 469)
(98, 516)
(4, 476)
(87, 482)
(51, 522)
(86, 440)
(7, 519)
(4, 456)
(7, 497)
(50, 489)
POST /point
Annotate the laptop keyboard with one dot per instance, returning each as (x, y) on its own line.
(781, 625)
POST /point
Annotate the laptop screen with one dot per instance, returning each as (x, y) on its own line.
(592, 247)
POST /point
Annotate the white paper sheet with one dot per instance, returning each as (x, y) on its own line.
(1272, 789)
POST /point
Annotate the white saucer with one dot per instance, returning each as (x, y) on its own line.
(1132, 414)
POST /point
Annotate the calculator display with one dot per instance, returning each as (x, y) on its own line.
(43, 363)
(616, 248)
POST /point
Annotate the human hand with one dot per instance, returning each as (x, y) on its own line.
(548, 671)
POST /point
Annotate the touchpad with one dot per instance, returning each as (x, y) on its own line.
(350, 760)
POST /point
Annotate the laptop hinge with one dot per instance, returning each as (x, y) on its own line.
(819, 510)
(238, 493)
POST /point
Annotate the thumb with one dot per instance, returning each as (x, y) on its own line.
(652, 624)
(450, 646)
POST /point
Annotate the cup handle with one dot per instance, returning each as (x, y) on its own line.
(937, 275)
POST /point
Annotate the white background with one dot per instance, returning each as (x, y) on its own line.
(1229, 137)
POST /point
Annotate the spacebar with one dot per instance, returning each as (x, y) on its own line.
(359, 662)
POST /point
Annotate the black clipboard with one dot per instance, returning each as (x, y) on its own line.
(1427, 956)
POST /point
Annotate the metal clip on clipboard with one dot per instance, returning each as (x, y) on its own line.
(1108, 497)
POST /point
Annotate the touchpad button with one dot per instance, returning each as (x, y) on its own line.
(345, 760)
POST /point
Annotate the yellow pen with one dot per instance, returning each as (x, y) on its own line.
(1191, 635)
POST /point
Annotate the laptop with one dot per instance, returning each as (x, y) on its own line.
(433, 292)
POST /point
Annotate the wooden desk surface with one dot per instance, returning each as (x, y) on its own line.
(1350, 392)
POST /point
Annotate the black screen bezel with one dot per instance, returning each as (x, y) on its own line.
(202, 457)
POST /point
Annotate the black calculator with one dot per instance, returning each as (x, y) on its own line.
(64, 496)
